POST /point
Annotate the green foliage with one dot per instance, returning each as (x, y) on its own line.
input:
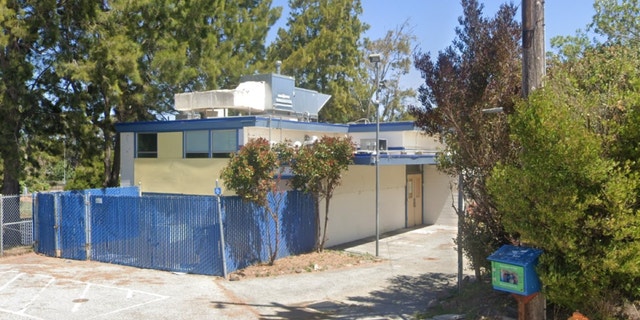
(318, 169)
(19, 34)
(395, 49)
(254, 173)
(577, 180)
(618, 21)
(250, 172)
(86, 175)
(480, 70)
(321, 49)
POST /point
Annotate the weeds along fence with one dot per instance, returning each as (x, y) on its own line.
(16, 227)
(180, 233)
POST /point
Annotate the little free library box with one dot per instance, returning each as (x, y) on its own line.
(513, 270)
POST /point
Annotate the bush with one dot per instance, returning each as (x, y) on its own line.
(575, 188)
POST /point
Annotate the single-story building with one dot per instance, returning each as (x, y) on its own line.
(186, 155)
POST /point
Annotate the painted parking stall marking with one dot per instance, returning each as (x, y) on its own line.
(37, 296)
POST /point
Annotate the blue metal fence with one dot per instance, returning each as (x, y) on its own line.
(171, 232)
(45, 226)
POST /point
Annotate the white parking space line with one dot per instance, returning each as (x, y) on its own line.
(36, 296)
(18, 314)
(41, 297)
(18, 275)
(78, 302)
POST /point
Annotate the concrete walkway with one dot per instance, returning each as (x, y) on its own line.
(417, 264)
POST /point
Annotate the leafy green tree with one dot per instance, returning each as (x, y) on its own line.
(126, 63)
(317, 169)
(618, 21)
(254, 173)
(320, 48)
(76, 68)
(27, 38)
(574, 190)
(615, 22)
(396, 50)
(480, 70)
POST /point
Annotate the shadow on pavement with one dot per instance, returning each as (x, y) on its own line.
(404, 297)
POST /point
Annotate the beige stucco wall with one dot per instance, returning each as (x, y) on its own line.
(410, 140)
(188, 176)
(353, 206)
(437, 193)
(418, 140)
(170, 145)
(279, 135)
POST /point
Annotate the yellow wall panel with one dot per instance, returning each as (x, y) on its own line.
(188, 176)
(170, 145)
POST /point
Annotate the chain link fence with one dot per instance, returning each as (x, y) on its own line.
(181, 233)
(16, 214)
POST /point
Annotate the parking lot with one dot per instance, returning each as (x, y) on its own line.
(417, 264)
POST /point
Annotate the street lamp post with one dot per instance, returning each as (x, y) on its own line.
(375, 59)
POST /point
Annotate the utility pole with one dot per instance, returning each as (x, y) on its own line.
(533, 55)
(533, 71)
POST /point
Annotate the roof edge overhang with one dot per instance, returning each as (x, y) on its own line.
(394, 159)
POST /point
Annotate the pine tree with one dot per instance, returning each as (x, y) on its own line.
(321, 49)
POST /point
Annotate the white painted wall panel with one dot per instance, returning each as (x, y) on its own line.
(438, 193)
(127, 153)
(352, 209)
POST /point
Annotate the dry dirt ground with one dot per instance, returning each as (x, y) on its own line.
(308, 262)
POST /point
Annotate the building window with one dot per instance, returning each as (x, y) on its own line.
(147, 145)
(196, 144)
(224, 142)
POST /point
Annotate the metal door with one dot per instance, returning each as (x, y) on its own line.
(414, 200)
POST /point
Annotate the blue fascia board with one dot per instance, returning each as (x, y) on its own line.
(228, 123)
(386, 126)
(182, 125)
(396, 159)
(257, 121)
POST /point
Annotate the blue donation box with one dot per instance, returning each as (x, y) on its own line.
(513, 270)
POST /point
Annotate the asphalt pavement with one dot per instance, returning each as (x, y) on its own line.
(416, 264)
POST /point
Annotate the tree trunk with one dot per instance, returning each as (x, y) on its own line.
(316, 199)
(274, 248)
(10, 180)
(326, 220)
(114, 174)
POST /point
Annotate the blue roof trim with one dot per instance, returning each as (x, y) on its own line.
(396, 159)
(387, 126)
(228, 123)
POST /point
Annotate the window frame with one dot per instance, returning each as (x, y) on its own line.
(197, 154)
(140, 143)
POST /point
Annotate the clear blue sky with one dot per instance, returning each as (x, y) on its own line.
(434, 21)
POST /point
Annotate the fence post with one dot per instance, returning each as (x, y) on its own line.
(57, 217)
(87, 224)
(1, 225)
(218, 192)
(35, 227)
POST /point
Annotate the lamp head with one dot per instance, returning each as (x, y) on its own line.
(374, 57)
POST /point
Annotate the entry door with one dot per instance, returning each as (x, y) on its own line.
(414, 200)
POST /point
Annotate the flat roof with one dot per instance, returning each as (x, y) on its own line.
(240, 122)
(395, 158)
